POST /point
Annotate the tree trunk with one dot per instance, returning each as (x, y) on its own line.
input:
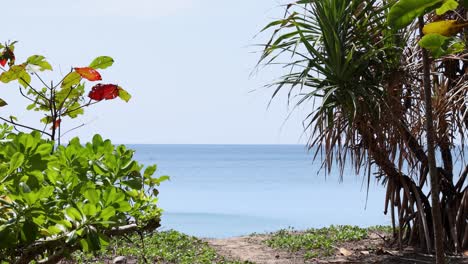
(436, 212)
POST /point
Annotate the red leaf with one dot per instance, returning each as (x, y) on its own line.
(56, 124)
(89, 74)
(6, 56)
(104, 91)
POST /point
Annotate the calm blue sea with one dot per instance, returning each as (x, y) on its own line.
(232, 190)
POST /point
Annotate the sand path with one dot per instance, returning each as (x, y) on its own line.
(252, 248)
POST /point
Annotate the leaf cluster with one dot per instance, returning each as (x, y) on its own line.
(73, 198)
(440, 35)
(66, 98)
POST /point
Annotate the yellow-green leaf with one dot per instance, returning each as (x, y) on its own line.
(445, 27)
(71, 79)
(440, 45)
(124, 95)
(448, 5)
(2, 103)
(405, 11)
(39, 61)
(14, 73)
(102, 62)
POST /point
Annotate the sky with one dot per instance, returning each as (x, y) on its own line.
(187, 63)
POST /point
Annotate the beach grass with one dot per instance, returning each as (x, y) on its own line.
(319, 242)
(159, 247)
(175, 247)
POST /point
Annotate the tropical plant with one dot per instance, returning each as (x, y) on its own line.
(364, 80)
(57, 199)
(64, 99)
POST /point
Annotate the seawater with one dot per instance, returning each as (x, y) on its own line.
(232, 190)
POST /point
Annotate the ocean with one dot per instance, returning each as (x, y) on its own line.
(231, 190)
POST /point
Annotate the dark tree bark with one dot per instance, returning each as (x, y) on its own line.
(430, 133)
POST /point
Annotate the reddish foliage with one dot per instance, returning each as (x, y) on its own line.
(104, 91)
(7, 55)
(89, 73)
(56, 124)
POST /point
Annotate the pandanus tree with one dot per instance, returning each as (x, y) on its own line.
(364, 81)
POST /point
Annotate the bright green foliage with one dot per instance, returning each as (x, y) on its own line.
(440, 45)
(320, 241)
(447, 5)
(102, 62)
(159, 247)
(16, 72)
(67, 98)
(124, 95)
(70, 198)
(39, 61)
(405, 11)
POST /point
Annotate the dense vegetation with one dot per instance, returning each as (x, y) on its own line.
(56, 199)
(316, 242)
(378, 99)
(159, 247)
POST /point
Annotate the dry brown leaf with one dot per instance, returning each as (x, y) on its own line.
(345, 252)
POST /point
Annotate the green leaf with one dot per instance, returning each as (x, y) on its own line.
(54, 230)
(40, 61)
(136, 184)
(92, 195)
(93, 239)
(465, 3)
(448, 5)
(89, 209)
(71, 79)
(46, 120)
(440, 45)
(84, 245)
(164, 178)
(73, 214)
(16, 72)
(71, 237)
(16, 161)
(24, 188)
(107, 213)
(124, 95)
(75, 110)
(149, 171)
(44, 149)
(31, 106)
(24, 78)
(124, 206)
(2, 103)
(102, 62)
(405, 11)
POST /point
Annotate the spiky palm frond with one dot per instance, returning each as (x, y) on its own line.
(340, 53)
(371, 109)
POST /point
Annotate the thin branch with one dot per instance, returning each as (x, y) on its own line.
(82, 125)
(82, 106)
(24, 126)
(32, 88)
(42, 81)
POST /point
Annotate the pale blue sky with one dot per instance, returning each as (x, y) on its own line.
(187, 64)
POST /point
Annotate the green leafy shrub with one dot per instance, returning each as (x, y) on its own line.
(316, 242)
(159, 247)
(56, 199)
